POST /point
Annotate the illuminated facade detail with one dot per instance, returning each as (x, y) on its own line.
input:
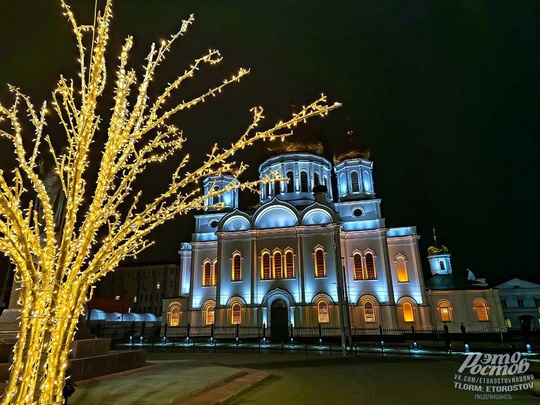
(214, 273)
(236, 270)
(174, 313)
(320, 263)
(482, 310)
(289, 263)
(357, 266)
(265, 266)
(294, 246)
(208, 310)
(236, 314)
(277, 265)
(408, 314)
(402, 273)
(207, 274)
(322, 311)
(369, 312)
(371, 272)
(445, 310)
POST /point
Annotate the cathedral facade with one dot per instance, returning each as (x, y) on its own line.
(304, 257)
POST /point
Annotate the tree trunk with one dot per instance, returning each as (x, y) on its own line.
(47, 328)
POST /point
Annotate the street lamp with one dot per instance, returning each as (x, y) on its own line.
(340, 274)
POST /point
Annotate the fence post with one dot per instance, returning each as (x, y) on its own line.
(165, 332)
(187, 331)
(237, 331)
(212, 332)
(382, 348)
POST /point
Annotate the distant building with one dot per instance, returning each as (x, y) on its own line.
(296, 257)
(139, 288)
(520, 301)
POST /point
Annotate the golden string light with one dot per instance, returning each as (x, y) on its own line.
(56, 267)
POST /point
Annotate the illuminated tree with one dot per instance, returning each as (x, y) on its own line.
(56, 265)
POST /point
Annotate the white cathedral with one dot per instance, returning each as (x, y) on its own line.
(305, 257)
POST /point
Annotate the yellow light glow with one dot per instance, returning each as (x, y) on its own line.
(56, 268)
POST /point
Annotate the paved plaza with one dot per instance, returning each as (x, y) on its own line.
(213, 378)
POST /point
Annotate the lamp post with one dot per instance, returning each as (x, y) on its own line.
(340, 273)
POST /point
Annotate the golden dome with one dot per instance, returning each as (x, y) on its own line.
(351, 154)
(437, 250)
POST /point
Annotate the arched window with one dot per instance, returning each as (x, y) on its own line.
(320, 265)
(236, 267)
(369, 312)
(441, 265)
(210, 315)
(214, 273)
(316, 179)
(265, 266)
(290, 182)
(354, 182)
(174, 314)
(207, 274)
(371, 272)
(322, 309)
(278, 265)
(408, 314)
(482, 310)
(215, 199)
(357, 262)
(289, 264)
(236, 314)
(445, 309)
(402, 274)
(303, 182)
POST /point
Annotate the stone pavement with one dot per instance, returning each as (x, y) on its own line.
(196, 379)
(169, 382)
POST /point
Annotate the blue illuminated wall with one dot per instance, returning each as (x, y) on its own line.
(290, 218)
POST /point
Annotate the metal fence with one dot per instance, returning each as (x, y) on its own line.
(429, 338)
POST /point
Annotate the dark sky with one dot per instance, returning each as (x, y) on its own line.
(445, 94)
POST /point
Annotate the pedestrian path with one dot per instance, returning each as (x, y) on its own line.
(168, 382)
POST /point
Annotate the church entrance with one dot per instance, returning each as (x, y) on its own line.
(279, 320)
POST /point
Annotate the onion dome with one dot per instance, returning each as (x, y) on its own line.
(437, 250)
(301, 140)
(351, 154)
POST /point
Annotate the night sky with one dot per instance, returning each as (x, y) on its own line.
(445, 95)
